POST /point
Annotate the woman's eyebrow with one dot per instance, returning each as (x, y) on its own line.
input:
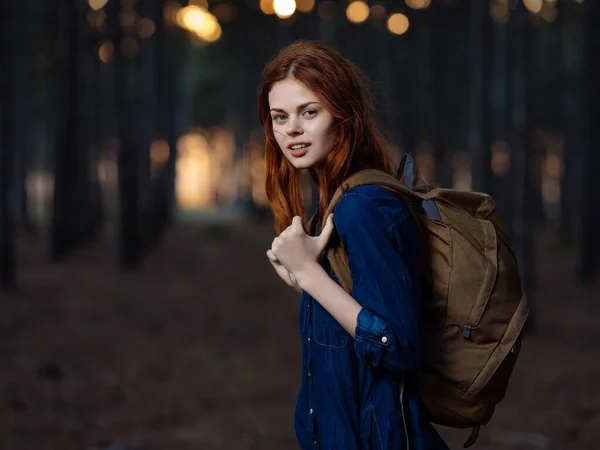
(298, 108)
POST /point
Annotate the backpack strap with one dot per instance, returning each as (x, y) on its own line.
(336, 254)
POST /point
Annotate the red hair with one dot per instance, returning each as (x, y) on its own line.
(359, 144)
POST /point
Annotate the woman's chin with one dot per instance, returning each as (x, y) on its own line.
(301, 165)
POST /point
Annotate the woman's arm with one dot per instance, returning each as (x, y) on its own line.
(381, 312)
(341, 305)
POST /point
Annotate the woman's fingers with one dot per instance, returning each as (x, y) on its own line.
(325, 235)
(271, 256)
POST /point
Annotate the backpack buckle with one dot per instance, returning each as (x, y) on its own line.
(466, 331)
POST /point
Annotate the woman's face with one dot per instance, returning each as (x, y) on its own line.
(301, 124)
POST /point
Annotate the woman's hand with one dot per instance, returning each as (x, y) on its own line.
(282, 271)
(294, 250)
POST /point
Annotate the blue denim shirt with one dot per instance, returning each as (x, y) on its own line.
(360, 393)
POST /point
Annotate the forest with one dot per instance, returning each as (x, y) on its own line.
(134, 219)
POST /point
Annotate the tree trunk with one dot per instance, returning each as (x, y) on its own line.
(67, 206)
(439, 41)
(128, 159)
(520, 173)
(478, 136)
(170, 57)
(590, 220)
(7, 184)
(570, 188)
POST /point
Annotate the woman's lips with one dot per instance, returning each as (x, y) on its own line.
(297, 153)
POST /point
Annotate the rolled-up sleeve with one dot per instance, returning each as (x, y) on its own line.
(387, 332)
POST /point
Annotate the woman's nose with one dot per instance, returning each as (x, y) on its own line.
(294, 128)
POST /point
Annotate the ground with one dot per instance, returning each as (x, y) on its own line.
(198, 349)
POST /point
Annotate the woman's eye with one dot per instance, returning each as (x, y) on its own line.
(279, 118)
(310, 113)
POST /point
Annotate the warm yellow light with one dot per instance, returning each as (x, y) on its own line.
(191, 17)
(327, 10)
(97, 4)
(128, 18)
(378, 12)
(145, 28)
(500, 158)
(40, 186)
(357, 12)
(105, 52)
(200, 22)
(535, 6)
(549, 12)
(159, 153)
(224, 12)
(418, 4)
(305, 5)
(284, 8)
(398, 23)
(267, 6)
(129, 47)
(193, 184)
(213, 35)
(97, 19)
(200, 3)
(499, 11)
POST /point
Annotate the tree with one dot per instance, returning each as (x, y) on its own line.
(7, 184)
(590, 220)
(478, 135)
(520, 171)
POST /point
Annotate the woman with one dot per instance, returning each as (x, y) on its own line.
(360, 351)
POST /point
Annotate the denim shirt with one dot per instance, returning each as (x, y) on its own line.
(360, 393)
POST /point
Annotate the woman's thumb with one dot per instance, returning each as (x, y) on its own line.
(326, 233)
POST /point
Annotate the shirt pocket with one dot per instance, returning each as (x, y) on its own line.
(327, 331)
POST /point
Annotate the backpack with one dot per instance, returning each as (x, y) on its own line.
(474, 309)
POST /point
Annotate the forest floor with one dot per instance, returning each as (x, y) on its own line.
(199, 349)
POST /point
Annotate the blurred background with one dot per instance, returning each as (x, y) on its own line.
(137, 308)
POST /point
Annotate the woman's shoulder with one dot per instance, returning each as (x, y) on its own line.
(371, 201)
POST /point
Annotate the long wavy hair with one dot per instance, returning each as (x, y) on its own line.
(358, 143)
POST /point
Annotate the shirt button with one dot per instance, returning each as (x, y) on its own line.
(384, 339)
(311, 411)
(308, 339)
(314, 442)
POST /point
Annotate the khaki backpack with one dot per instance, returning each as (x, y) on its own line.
(474, 309)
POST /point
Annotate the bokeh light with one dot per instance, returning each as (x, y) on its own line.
(357, 12)
(398, 23)
(267, 6)
(419, 4)
(535, 6)
(378, 12)
(97, 4)
(284, 8)
(200, 3)
(327, 10)
(224, 12)
(199, 21)
(499, 11)
(145, 28)
(105, 52)
(129, 47)
(549, 12)
(305, 5)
